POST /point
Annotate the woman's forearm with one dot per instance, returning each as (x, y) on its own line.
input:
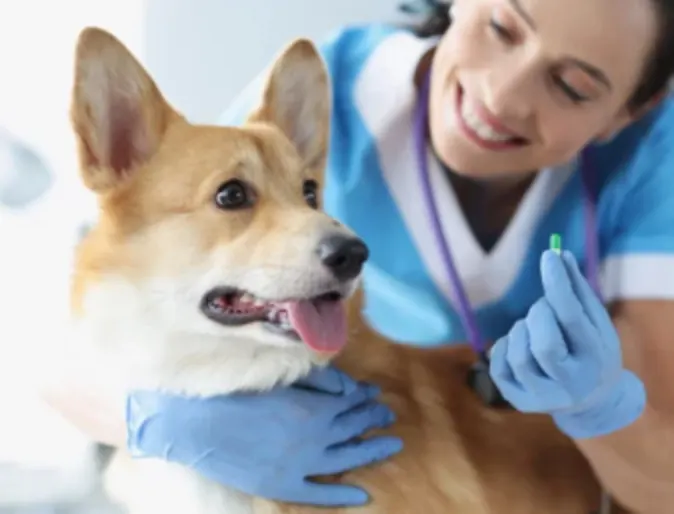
(636, 464)
(91, 412)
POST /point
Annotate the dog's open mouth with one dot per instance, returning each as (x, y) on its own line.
(320, 322)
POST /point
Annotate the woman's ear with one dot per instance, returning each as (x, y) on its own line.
(628, 116)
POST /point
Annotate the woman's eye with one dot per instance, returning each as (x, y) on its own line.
(502, 32)
(568, 90)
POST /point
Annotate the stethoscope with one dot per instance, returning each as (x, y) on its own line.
(479, 379)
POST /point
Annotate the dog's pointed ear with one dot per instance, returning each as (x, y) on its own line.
(118, 114)
(297, 98)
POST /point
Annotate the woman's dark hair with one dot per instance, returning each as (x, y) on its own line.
(657, 72)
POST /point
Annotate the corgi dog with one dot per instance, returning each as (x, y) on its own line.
(212, 269)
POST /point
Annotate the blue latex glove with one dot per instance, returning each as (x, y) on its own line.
(268, 444)
(565, 358)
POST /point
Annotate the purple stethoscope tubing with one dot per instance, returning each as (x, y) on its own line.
(465, 311)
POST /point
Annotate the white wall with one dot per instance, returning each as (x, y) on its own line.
(37, 44)
(203, 52)
(37, 40)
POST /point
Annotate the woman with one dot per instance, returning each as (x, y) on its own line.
(543, 117)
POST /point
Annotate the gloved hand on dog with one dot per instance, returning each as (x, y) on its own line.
(565, 358)
(269, 444)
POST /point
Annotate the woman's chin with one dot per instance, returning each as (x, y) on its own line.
(483, 164)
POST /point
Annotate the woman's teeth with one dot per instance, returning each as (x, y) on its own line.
(478, 126)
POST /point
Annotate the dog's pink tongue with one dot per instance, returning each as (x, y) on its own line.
(321, 325)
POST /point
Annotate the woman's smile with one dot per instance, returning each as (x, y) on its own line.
(480, 126)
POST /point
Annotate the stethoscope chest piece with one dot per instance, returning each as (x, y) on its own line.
(480, 381)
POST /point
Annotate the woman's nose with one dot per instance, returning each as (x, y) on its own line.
(508, 94)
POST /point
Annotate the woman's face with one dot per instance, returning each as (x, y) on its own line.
(519, 85)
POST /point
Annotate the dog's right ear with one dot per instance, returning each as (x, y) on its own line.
(296, 98)
(118, 114)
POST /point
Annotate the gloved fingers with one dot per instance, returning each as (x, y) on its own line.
(586, 295)
(535, 388)
(359, 420)
(499, 369)
(531, 388)
(356, 454)
(363, 394)
(332, 495)
(329, 380)
(579, 331)
(502, 374)
(546, 341)
(524, 367)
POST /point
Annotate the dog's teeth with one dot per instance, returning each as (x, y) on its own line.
(247, 298)
(217, 304)
(257, 302)
(284, 321)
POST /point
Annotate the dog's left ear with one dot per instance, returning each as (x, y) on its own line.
(296, 98)
(118, 114)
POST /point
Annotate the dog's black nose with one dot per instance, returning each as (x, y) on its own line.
(343, 255)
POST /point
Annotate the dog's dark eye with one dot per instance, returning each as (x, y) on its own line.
(234, 194)
(310, 191)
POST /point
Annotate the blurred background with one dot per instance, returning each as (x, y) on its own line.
(201, 53)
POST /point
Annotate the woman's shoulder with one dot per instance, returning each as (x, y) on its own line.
(372, 69)
(637, 173)
(349, 42)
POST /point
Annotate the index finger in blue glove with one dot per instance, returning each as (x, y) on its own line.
(329, 380)
(501, 372)
(547, 341)
(586, 295)
(357, 398)
(558, 289)
(356, 454)
(359, 420)
(333, 495)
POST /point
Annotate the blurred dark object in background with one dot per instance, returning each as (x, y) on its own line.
(24, 176)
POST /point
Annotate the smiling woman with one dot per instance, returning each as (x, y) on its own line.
(509, 78)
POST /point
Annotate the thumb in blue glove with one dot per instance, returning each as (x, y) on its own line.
(565, 358)
(269, 444)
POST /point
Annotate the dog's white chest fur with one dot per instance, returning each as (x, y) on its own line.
(134, 345)
(154, 486)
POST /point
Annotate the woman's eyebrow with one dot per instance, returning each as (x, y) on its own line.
(517, 6)
(588, 68)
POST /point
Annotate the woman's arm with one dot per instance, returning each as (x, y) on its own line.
(637, 463)
(605, 379)
(89, 410)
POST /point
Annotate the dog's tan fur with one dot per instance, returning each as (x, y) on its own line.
(460, 456)
(159, 239)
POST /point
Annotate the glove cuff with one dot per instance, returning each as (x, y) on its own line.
(617, 410)
(132, 424)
